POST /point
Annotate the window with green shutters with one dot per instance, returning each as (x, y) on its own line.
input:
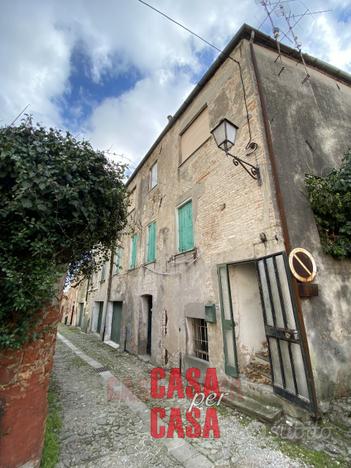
(185, 227)
(151, 243)
(133, 251)
(117, 260)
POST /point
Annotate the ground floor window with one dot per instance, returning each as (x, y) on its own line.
(200, 339)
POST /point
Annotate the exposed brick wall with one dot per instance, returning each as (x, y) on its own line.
(24, 380)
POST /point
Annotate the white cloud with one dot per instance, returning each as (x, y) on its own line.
(37, 39)
(130, 123)
(34, 62)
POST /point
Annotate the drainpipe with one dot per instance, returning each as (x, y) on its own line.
(284, 224)
(108, 295)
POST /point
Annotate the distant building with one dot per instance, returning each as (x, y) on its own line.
(201, 278)
(68, 306)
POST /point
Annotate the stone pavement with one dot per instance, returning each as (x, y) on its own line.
(106, 417)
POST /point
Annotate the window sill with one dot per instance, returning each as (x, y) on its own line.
(149, 263)
(196, 362)
(179, 254)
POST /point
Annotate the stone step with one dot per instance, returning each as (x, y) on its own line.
(262, 357)
(263, 412)
(144, 357)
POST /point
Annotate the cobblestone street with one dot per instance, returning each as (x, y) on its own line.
(100, 429)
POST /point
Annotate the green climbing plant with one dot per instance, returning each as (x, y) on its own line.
(63, 205)
(330, 198)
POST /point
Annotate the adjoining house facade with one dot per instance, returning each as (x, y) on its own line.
(201, 278)
(68, 307)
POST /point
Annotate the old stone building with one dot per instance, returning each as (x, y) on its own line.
(201, 278)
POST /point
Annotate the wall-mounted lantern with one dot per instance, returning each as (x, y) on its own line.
(224, 135)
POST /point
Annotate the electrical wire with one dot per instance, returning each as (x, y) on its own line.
(221, 53)
(19, 115)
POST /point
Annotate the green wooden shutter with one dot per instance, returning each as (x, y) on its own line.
(151, 245)
(133, 256)
(185, 226)
(117, 260)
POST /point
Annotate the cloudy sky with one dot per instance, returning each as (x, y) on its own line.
(112, 70)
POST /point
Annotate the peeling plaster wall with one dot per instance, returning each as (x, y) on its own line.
(311, 130)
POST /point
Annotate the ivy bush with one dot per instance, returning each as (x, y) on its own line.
(330, 198)
(63, 205)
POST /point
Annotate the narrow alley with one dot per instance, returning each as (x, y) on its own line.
(105, 402)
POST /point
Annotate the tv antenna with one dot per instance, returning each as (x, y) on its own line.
(282, 10)
(270, 8)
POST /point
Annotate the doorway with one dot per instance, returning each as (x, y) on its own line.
(97, 317)
(145, 326)
(80, 314)
(261, 329)
(253, 355)
(116, 322)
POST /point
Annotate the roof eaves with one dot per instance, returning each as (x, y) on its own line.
(259, 38)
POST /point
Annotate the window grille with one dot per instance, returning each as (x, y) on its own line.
(200, 339)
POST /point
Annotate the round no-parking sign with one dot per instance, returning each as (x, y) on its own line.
(302, 265)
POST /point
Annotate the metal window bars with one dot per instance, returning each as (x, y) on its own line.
(200, 339)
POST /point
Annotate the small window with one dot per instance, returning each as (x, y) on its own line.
(117, 261)
(153, 176)
(103, 272)
(151, 243)
(133, 251)
(185, 227)
(200, 338)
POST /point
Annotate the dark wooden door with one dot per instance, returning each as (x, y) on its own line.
(116, 321)
(99, 322)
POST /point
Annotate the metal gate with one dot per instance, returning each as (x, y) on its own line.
(287, 351)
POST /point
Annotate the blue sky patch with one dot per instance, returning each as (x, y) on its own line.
(85, 92)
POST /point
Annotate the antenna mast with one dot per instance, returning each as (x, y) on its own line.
(283, 11)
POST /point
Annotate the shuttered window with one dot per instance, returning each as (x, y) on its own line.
(117, 261)
(133, 251)
(151, 243)
(195, 135)
(185, 227)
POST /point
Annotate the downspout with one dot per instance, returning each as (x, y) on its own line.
(284, 225)
(108, 295)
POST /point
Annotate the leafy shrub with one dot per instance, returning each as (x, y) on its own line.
(62, 203)
(330, 198)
